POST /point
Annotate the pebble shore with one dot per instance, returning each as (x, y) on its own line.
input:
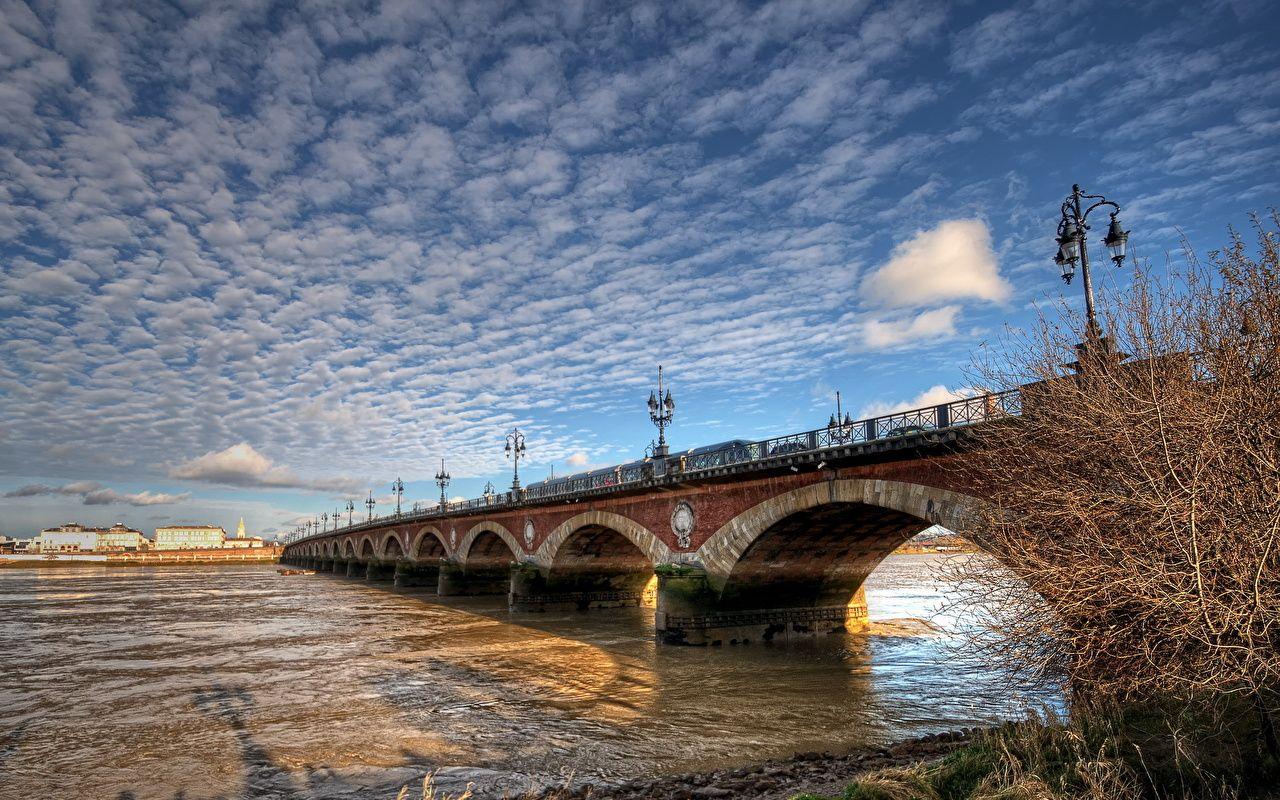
(820, 773)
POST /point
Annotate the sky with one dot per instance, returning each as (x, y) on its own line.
(257, 259)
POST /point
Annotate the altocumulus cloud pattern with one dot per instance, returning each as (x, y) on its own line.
(305, 246)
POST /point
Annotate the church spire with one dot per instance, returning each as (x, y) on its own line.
(240, 529)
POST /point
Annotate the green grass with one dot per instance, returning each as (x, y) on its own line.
(1155, 753)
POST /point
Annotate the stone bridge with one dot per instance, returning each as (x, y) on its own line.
(771, 543)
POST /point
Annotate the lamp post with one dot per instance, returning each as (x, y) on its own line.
(351, 510)
(489, 492)
(369, 504)
(336, 516)
(661, 410)
(442, 480)
(325, 518)
(515, 449)
(397, 487)
(840, 427)
(1072, 247)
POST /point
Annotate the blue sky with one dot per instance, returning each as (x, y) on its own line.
(258, 258)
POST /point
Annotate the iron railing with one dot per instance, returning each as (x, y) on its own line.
(955, 414)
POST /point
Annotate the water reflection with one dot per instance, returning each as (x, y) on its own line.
(209, 683)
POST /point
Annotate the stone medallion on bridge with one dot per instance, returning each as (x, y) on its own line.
(682, 522)
(528, 533)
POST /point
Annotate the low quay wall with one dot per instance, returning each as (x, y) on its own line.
(229, 555)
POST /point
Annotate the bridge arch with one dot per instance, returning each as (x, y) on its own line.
(651, 546)
(484, 533)
(794, 565)
(368, 551)
(428, 543)
(348, 549)
(330, 549)
(929, 505)
(391, 548)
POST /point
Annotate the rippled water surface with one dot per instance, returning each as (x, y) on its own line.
(199, 682)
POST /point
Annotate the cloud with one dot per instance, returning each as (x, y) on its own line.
(927, 326)
(578, 460)
(241, 465)
(95, 494)
(953, 261)
(933, 396)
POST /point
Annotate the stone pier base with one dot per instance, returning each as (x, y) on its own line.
(356, 569)
(689, 613)
(531, 591)
(339, 566)
(410, 573)
(380, 570)
(455, 581)
(324, 565)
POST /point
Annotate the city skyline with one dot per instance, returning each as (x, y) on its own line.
(259, 262)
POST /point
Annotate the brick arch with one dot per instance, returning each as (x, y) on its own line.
(464, 545)
(654, 548)
(387, 540)
(348, 548)
(416, 541)
(331, 549)
(724, 548)
(367, 545)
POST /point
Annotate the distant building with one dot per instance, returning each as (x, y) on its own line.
(190, 537)
(71, 537)
(241, 540)
(76, 538)
(121, 537)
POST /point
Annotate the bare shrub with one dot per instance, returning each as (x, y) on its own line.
(1136, 502)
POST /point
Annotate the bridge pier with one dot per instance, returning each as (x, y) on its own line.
(691, 612)
(458, 580)
(412, 573)
(379, 570)
(532, 590)
(356, 568)
(338, 566)
(324, 565)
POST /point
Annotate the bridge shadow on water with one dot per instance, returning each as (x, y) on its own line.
(265, 777)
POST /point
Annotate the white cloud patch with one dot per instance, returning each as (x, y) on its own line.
(953, 261)
(922, 328)
(578, 460)
(933, 396)
(241, 465)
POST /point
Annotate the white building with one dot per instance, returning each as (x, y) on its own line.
(76, 538)
(190, 537)
(69, 538)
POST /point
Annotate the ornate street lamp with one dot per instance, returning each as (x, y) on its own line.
(369, 504)
(661, 410)
(397, 487)
(325, 518)
(489, 493)
(442, 480)
(336, 516)
(515, 449)
(840, 427)
(1072, 248)
(351, 509)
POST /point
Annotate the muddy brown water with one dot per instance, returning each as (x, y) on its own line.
(235, 682)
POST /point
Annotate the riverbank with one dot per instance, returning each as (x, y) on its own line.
(781, 779)
(150, 558)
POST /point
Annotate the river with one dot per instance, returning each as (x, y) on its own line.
(230, 682)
